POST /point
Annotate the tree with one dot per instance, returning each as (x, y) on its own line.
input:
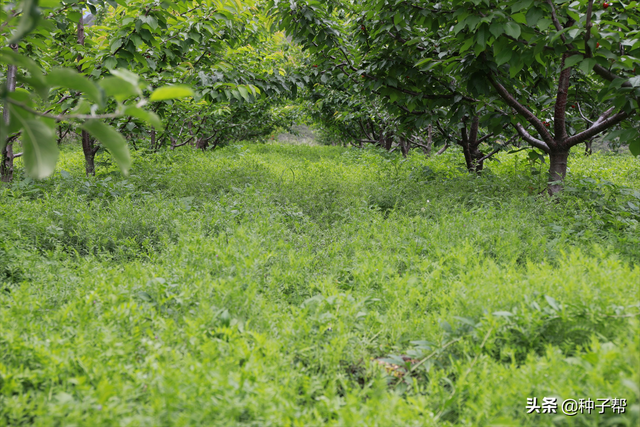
(34, 119)
(545, 48)
(370, 52)
(501, 62)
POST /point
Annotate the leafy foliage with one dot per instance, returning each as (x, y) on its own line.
(206, 275)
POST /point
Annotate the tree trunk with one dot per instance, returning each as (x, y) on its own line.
(153, 139)
(89, 151)
(6, 165)
(476, 155)
(469, 144)
(404, 147)
(6, 156)
(467, 155)
(587, 146)
(388, 142)
(87, 142)
(557, 171)
(80, 33)
(443, 149)
(202, 144)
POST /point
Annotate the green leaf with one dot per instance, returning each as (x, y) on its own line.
(39, 148)
(112, 140)
(423, 61)
(171, 92)
(49, 3)
(413, 41)
(558, 34)
(127, 76)
(71, 79)
(144, 115)
(534, 15)
(522, 4)
(634, 147)
(245, 93)
(150, 21)
(635, 81)
(110, 63)
(18, 114)
(504, 56)
(467, 44)
(115, 45)
(512, 29)
(502, 313)
(28, 21)
(516, 64)
(553, 303)
(574, 32)
(74, 16)
(119, 89)
(572, 60)
(482, 35)
(544, 23)
(497, 28)
(8, 56)
(587, 65)
(520, 18)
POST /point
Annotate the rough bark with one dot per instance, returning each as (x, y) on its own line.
(89, 151)
(560, 128)
(87, 142)
(443, 149)
(80, 34)
(587, 147)
(6, 167)
(558, 145)
(202, 144)
(476, 159)
(557, 171)
(426, 148)
(6, 156)
(470, 142)
(388, 143)
(404, 147)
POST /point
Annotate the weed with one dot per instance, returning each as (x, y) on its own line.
(278, 285)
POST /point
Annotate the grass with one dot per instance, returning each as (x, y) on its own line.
(274, 285)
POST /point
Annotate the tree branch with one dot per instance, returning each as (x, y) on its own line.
(497, 149)
(555, 20)
(62, 117)
(443, 149)
(443, 132)
(521, 109)
(473, 131)
(583, 116)
(530, 139)
(484, 138)
(600, 125)
(588, 26)
(608, 75)
(559, 123)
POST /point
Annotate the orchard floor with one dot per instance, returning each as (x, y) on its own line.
(273, 285)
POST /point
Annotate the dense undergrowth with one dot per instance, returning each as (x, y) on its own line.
(256, 284)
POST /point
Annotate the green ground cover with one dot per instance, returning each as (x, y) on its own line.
(255, 284)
